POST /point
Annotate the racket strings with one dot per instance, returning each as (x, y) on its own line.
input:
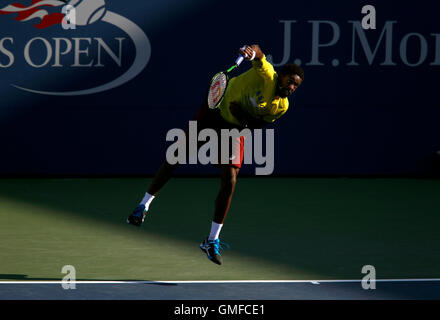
(217, 90)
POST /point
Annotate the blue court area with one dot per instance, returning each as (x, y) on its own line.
(424, 289)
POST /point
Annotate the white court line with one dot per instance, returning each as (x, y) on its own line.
(219, 281)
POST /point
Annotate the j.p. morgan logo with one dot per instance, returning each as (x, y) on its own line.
(363, 47)
(53, 50)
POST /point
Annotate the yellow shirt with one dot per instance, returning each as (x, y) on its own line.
(254, 90)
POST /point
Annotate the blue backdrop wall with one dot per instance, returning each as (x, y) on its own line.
(369, 103)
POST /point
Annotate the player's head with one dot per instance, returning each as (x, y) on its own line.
(290, 77)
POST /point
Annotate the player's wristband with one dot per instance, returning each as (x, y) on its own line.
(253, 55)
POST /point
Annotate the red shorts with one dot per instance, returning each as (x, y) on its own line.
(207, 118)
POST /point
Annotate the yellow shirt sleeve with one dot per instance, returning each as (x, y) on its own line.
(264, 68)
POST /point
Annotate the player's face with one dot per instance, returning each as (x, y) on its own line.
(287, 84)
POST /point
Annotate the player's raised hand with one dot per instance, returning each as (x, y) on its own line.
(247, 52)
(251, 52)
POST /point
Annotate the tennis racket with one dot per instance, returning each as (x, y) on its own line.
(219, 83)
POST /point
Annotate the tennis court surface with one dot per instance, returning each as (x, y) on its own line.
(397, 289)
(302, 229)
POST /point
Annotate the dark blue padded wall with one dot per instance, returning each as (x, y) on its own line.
(369, 103)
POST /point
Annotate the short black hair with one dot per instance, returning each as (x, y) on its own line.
(292, 68)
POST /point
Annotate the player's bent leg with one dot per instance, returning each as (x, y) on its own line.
(162, 176)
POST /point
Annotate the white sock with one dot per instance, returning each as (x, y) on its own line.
(147, 200)
(215, 231)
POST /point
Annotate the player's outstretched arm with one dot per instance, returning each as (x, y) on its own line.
(260, 64)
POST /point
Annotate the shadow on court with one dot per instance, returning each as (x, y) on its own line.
(24, 277)
(328, 227)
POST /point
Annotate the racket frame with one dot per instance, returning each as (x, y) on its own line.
(226, 73)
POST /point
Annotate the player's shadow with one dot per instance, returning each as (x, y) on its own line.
(24, 277)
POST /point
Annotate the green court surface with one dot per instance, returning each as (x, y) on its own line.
(278, 229)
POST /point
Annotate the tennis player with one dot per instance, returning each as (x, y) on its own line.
(252, 100)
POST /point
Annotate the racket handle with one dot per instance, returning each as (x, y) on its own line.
(240, 58)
